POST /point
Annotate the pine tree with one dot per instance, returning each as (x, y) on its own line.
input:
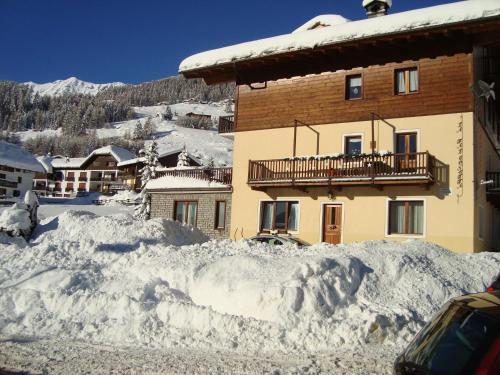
(138, 131)
(148, 172)
(149, 128)
(168, 114)
(183, 159)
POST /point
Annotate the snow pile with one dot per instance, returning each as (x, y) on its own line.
(322, 21)
(16, 157)
(111, 280)
(117, 233)
(15, 219)
(71, 85)
(420, 19)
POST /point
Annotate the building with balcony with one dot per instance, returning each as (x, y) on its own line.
(17, 169)
(381, 128)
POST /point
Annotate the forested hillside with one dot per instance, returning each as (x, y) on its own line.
(75, 114)
(169, 90)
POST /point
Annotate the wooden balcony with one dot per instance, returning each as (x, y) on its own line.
(222, 175)
(395, 169)
(493, 188)
(226, 124)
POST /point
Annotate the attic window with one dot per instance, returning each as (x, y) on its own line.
(354, 87)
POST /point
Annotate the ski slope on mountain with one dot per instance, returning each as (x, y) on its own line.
(71, 85)
(206, 145)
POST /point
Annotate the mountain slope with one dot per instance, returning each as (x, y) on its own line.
(71, 85)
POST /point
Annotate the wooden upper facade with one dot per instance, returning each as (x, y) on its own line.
(444, 87)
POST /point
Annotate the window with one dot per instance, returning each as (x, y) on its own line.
(19, 180)
(3, 191)
(220, 214)
(353, 145)
(406, 217)
(185, 212)
(354, 87)
(281, 216)
(2, 176)
(16, 193)
(111, 163)
(406, 81)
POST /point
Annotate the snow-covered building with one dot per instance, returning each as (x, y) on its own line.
(200, 197)
(381, 128)
(98, 172)
(17, 169)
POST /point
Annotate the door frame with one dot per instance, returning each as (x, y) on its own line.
(322, 219)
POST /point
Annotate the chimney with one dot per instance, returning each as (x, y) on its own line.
(376, 8)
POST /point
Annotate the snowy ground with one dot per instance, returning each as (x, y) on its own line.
(101, 294)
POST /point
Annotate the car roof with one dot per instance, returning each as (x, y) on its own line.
(486, 302)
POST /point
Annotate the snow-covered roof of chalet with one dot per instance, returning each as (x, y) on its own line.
(323, 20)
(172, 183)
(66, 163)
(15, 156)
(160, 155)
(419, 19)
(119, 153)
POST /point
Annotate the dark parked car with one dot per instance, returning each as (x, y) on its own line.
(279, 240)
(495, 284)
(462, 339)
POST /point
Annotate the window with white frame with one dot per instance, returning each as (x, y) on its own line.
(406, 217)
(186, 212)
(353, 145)
(281, 216)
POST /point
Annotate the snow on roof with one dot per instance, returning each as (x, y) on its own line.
(367, 2)
(46, 162)
(119, 153)
(322, 21)
(67, 162)
(15, 156)
(171, 182)
(413, 20)
(161, 155)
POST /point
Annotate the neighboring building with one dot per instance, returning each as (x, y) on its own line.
(196, 196)
(98, 172)
(130, 168)
(17, 169)
(382, 128)
(199, 116)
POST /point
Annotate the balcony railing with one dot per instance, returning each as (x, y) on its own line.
(222, 175)
(9, 184)
(226, 124)
(349, 170)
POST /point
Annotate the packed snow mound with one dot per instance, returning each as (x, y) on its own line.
(109, 280)
(15, 219)
(117, 233)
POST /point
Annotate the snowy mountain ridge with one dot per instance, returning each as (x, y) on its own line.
(70, 85)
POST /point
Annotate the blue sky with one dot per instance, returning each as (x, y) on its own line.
(141, 40)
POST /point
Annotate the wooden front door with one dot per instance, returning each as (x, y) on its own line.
(332, 223)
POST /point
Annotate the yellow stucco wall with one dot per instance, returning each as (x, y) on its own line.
(449, 208)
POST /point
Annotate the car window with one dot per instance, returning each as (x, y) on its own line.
(262, 239)
(275, 242)
(453, 343)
